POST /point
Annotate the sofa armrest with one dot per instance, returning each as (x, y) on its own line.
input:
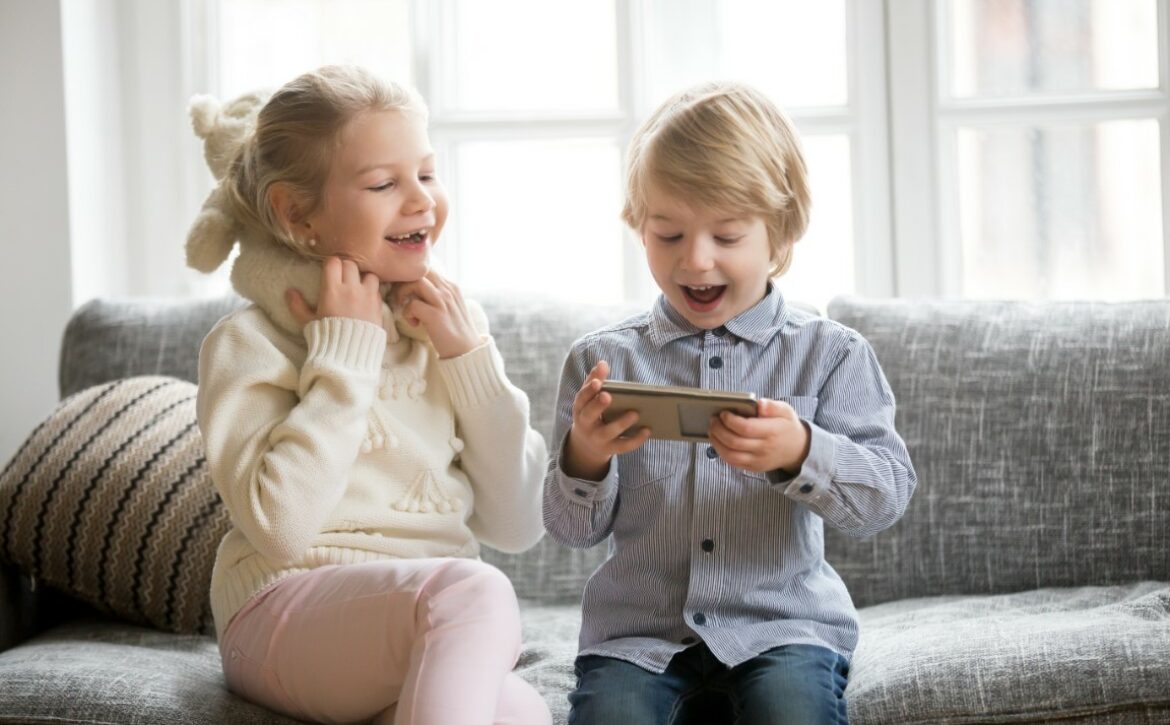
(27, 607)
(16, 607)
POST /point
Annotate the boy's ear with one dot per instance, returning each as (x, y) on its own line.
(286, 204)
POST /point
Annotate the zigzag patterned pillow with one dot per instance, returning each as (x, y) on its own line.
(110, 501)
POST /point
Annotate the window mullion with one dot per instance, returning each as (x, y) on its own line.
(913, 148)
(872, 232)
(631, 68)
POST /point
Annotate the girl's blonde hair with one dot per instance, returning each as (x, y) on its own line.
(723, 146)
(296, 134)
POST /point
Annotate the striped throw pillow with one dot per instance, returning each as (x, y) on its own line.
(110, 500)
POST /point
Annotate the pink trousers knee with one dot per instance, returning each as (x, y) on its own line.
(409, 642)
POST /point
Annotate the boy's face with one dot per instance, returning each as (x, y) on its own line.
(383, 205)
(710, 265)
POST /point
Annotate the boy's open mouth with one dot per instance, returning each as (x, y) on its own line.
(703, 297)
(417, 238)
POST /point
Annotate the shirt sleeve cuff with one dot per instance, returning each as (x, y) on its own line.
(581, 491)
(816, 473)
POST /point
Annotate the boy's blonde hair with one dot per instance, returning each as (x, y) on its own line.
(723, 146)
(296, 134)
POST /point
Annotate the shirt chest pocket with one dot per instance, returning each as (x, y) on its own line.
(653, 462)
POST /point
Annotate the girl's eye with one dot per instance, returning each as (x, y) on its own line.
(426, 177)
(382, 187)
(727, 240)
(669, 238)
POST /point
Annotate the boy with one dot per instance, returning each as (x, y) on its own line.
(716, 580)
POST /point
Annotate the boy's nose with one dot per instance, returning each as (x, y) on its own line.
(697, 257)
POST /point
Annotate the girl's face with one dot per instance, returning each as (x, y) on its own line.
(382, 205)
(710, 265)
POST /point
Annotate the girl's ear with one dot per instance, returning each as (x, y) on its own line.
(286, 204)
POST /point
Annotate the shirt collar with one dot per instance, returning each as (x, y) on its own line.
(758, 324)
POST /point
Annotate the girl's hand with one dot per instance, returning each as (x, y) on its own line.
(346, 291)
(775, 440)
(593, 442)
(437, 304)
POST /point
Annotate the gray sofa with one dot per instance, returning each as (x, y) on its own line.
(1027, 582)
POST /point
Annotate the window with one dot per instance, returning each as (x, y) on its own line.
(966, 148)
(1047, 118)
(533, 104)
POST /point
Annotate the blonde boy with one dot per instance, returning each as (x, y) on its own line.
(716, 583)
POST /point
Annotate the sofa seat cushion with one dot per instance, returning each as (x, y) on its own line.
(1087, 654)
(102, 671)
(97, 671)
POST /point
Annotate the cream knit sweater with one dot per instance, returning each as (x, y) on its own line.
(349, 442)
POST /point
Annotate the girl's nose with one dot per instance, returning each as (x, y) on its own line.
(418, 200)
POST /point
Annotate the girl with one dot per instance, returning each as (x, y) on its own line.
(363, 453)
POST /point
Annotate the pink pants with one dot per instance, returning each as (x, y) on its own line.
(410, 642)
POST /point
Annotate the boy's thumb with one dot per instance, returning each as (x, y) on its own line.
(769, 408)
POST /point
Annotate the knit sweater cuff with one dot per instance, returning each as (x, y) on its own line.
(474, 377)
(345, 342)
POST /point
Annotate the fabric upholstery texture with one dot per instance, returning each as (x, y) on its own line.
(110, 500)
(1040, 433)
(1040, 437)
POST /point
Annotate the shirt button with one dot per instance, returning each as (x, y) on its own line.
(708, 545)
(711, 452)
(806, 488)
(715, 362)
(688, 640)
(700, 618)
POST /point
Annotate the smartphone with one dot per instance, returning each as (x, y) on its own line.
(674, 413)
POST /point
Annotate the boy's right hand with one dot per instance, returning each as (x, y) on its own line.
(346, 291)
(592, 442)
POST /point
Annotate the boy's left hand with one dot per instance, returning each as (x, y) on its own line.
(776, 439)
(436, 303)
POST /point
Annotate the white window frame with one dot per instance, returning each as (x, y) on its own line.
(863, 121)
(905, 228)
(923, 123)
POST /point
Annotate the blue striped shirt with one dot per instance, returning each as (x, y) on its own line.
(699, 550)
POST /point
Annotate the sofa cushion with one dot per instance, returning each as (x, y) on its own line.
(110, 500)
(1040, 433)
(1097, 653)
(101, 672)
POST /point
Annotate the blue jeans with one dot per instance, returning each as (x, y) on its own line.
(791, 685)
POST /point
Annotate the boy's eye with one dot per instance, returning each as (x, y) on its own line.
(382, 187)
(426, 177)
(669, 237)
(727, 240)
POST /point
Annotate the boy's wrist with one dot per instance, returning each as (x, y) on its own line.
(576, 464)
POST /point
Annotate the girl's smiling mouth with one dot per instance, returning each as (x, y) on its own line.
(411, 240)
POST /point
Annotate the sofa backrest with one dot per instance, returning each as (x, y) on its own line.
(1040, 433)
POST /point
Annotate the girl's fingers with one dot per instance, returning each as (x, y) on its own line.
(350, 274)
(300, 309)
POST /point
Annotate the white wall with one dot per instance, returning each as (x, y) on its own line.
(35, 274)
